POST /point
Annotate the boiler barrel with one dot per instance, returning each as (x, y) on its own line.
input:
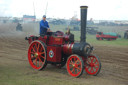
(81, 49)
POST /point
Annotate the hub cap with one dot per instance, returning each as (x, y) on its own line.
(36, 55)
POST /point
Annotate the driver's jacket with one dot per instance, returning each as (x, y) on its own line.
(43, 27)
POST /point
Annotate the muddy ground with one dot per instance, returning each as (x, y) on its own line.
(15, 69)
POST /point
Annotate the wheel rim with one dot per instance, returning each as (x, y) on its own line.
(74, 66)
(92, 65)
(36, 55)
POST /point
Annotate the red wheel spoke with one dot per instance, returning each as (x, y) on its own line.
(89, 61)
(33, 61)
(40, 61)
(91, 69)
(32, 52)
(41, 49)
(42, 56)
(76, 61)
(32, 57)
(79, 64)
(33, 49)
(72, 70)
(78, 68)
(36, 61)
(38, 47)
(71, 62)
(70, 66)
(95, 67)
(96, 64)
(95, 61)
(92, 60)
(42, 53)
(88, 67)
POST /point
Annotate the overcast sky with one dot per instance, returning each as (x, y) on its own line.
(98, 9)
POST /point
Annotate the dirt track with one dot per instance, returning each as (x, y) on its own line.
(13, 54)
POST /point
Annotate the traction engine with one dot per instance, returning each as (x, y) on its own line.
(60, 49)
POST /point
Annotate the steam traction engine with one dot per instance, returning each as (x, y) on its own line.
(59, 49)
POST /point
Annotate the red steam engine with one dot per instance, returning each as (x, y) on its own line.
(59, 49)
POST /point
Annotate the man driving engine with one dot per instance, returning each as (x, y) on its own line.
(44, 27)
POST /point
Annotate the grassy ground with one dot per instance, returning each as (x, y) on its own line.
(20, 73)
(18, 76)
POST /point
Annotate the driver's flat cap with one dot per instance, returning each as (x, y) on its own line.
(44, 16)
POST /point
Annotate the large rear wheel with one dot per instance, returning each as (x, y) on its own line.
(92, 65)
(75, 66)
(37, 55)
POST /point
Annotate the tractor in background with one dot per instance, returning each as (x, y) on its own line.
(108, 36)
(126, 34)
(19, 27)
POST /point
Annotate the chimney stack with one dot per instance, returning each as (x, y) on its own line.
(83, 23)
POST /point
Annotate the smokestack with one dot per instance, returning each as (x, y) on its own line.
(83, 23)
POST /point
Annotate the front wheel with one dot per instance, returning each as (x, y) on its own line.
(101, 38)
(75, 66)
(92, 65)
(97, 38)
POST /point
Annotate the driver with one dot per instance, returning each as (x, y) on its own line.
(44, 27)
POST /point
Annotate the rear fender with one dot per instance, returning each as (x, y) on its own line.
(31, 38)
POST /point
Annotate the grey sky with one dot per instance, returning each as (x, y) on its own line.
(98, 9)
